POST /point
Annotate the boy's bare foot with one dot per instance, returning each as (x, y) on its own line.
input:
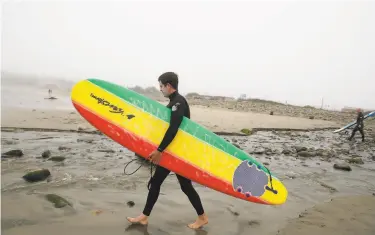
(201, 220)
(141, 219)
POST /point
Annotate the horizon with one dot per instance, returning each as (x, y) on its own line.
(296, 52)
(73, 81)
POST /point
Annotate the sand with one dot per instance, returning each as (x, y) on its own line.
(215, 119)
(93, 179)
(344, 216)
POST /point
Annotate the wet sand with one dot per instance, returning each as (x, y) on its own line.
(92, 179)
(352, 215)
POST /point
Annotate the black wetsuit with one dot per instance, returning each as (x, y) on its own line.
(358, 127)
(180, 108)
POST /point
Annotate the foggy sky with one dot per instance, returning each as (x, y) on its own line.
(296, 51)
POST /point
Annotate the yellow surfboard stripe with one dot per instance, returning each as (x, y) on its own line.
(195, 151)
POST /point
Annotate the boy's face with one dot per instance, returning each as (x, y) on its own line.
(165, 89)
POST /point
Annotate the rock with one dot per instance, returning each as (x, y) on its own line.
(356, 160)
(286, 151)
(271, 113)
(294, 134)
(12, 153)
(299, 148)
(46, 154)
(342, 166)
(237, 145)
(269, 152)
(291, 175)
(356, 156)
(106, 150)
(319, 152)
(57, 159)
(343, 151)
(254, 223)
(38, 175)
(130, 203)
(306, 154)
(259, 151)
(58, 201)
(89, 141)
(234, 140)
(311, 117)
(277, 158)
(61, 148)
(266, 163)
(331, 189)
(246, 131)
(51, 98)
(329, 153)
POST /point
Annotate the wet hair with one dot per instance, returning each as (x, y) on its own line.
(169, 77)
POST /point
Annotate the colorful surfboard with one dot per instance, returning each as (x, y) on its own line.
(139, 123)
(370, 114)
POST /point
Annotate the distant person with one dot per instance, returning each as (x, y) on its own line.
(168, 83)
(358, 126)
(49, 92)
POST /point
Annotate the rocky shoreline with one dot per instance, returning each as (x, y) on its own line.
(62, 170)
(273, 108)
(299, 144)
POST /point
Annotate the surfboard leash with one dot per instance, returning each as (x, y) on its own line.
(268, 188)
(136, 159)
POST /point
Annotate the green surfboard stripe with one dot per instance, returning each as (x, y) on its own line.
(160, 111)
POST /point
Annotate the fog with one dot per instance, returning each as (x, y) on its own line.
(294, 51)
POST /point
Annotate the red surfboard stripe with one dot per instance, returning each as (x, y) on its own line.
(142, 147)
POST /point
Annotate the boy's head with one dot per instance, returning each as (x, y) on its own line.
(168, 83)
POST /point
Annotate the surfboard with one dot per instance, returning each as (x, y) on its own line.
(371, 114)
(139, 123)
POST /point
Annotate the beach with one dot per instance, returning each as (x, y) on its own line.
(87, 170)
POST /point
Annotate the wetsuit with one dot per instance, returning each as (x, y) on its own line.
(180, 108)
(359, 127)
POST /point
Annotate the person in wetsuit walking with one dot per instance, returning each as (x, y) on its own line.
(358, 126)
(168, 83)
